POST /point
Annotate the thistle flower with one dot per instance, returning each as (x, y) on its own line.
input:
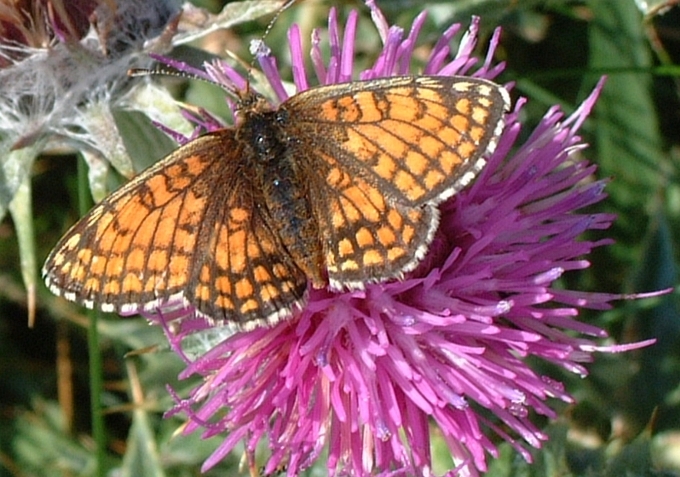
(63, 72)
(362, 374)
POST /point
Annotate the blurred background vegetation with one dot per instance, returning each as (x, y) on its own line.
(627, 420)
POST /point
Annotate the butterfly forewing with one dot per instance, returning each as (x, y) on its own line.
(137, 244)
(419, 139)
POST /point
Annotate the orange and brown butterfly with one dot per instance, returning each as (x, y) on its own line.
(336, 187)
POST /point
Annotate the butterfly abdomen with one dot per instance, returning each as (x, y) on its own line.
(284, 192)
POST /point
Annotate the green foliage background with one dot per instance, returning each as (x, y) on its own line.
(627, 420)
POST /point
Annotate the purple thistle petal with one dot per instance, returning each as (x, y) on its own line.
(464, 60)
(379, 20)
(270, 69)
(361, 374)
(406, 48)
(223, 74)
(175, 135)
(317, 58)
(488, 69)
(334, 44)
(297, 59)
(441, 50)
(347, 51)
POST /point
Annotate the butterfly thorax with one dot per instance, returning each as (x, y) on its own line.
(282, 185)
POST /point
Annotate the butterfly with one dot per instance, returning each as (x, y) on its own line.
(336, 187)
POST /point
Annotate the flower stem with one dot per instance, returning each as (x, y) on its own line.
(96, 370)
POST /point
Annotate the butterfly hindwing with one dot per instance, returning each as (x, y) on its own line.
(368, 237)
(242, 275)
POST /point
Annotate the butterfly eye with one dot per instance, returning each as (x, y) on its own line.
(281, 117)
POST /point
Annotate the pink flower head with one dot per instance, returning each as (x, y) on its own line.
(362, 375)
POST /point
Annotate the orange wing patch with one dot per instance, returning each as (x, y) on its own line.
(420, 139)
(369, 238)
(243, 277)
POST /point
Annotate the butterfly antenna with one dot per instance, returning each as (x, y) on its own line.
(185, 73)
(180, 69)
(286, 6)
(257, 46)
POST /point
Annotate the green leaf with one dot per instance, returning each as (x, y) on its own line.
(44, 447)
(658, 373)
(635, 459)
(21, 210)
(197, 22)
(629, 145)
(141, 456)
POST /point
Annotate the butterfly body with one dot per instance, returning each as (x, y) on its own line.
(281, 176)
(337, 186)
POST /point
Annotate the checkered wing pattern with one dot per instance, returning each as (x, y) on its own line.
(171, 234)
(387, 152)
(368, 237)
(338, 185)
